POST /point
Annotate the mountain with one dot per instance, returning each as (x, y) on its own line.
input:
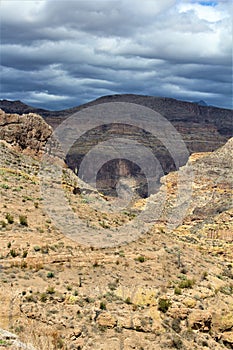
(168, 288)
(172, 109)
(201, 103)
(202, 128)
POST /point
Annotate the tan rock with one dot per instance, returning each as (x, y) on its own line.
(228, 337)
(223, 322)
(189, 302)
(200, 320)
(181, 312)
(105, 319)
(76, 333)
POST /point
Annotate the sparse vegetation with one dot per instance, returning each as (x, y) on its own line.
(177, 291)
(13, 253)
(164, 304)
(9, 218)
(50, 274)
(103, 305)
(128, 301)
(141, 259)
(3, 223)
(186, 283)
(50, 290)
(23, 220)
(59, 294)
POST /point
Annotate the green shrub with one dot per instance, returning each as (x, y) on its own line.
(50, 290)
(141, 259)
(177, 291)
(43, 297)
(103, 306)
(3, 223)
(164, 304)
(13, 253)
(23, 220)
(128, 301)
(50, 274)
(25, 253)
(186, 283)
(5, 186)
(9, 218)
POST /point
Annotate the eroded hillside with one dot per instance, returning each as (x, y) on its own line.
(167, 289)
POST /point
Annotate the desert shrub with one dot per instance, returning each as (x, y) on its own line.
(164, 304)
(13, 253)
(43, 297)
(9, 218)
(103, 305)
(204, 275)
(50, 274)
(177, 291)
(128, 301)
(187, 283)
(23, 265)
(23, 220)
(3, 223)
(50, 290)
(89, 300)
(25, 253)
(5, 186)
(141, 259)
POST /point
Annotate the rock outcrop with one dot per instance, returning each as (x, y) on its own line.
(28, 132)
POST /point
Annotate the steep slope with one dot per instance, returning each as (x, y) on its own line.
(168, 289)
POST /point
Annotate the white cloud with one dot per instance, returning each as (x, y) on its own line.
(207, 13)
(87, 48)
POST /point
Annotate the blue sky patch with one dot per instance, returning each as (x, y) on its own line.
(208, 3)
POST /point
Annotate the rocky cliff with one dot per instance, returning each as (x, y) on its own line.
(29, 132)
(203, 129)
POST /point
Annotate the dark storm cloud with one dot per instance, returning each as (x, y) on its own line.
(57, 54)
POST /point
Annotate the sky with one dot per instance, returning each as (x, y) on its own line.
(57, 54)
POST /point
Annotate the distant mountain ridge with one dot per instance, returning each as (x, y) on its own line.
(202, 128)
(168, 107)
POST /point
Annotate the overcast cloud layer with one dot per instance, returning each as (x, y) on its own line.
(57, 54)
